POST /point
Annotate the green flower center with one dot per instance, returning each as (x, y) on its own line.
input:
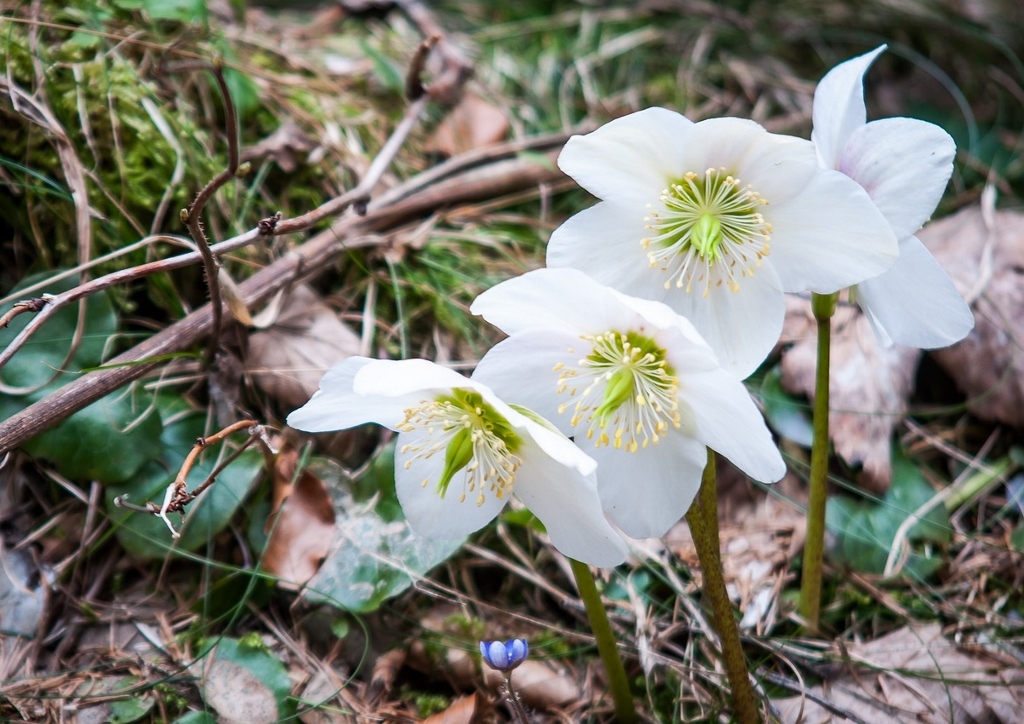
(707, 230)
(624, 390)
(476, 440)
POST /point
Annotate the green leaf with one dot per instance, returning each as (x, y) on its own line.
(241, 677)
(44, 352)
(146, 535)
(372, 558)
(864, 530)
(111, 439)
(387, 73)
(185, 11)
(196, 717)
(789, 416)
(125, 711)
(244, 92)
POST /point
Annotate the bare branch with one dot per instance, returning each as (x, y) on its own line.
(468, 177)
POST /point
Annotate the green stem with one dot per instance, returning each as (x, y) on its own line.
(625, 711)
(824, 306)
(703, 520)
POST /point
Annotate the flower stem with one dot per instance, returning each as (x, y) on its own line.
(823, 306)
(513, 700)
(703, 520)
(625, 711)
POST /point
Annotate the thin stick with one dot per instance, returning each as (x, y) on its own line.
(26, 305)
(193, 216)
(347, 233)
(177, 496)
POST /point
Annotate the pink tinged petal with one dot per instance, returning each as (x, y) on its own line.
(521, 370)
(839, 106)
(429, 514)
(830, 236)
(915, 303)
(904, 165)
(729, 423)
(335, 406)
(645, 493)
(741, 327)
(561, 299)
(605, 242)
(630, 159)
(567, 504)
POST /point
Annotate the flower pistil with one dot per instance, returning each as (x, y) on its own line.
(475, 438)
(630, 386)
(708, 229)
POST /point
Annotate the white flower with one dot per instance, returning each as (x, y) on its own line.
(632, 382)
(461, 452)
(904, 165)
(717, 219)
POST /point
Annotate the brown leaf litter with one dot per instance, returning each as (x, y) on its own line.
(301, 523)
(983, 252)
(300, 342)
(912, 674)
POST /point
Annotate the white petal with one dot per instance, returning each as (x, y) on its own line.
(559, 448)
(839, 106)
(335, 406)
(520, 369)
(605, 242)
(904, 165)
(741, 327)
(401, 378)
(429, 514)
(729, 422)
(561, 299)
(776, 166)
(916, 303)
(645, 493)
(830, 236)
(630, 159)
(568, 505)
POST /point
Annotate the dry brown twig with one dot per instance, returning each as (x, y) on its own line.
(192, 217)
(479, 174)
(177, 495)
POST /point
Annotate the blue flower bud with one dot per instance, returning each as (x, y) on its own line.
(504, 656)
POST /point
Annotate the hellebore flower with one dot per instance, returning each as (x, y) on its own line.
(461, 452)
(504, 656)
(717, 219)
(632, 382)
(903, 164)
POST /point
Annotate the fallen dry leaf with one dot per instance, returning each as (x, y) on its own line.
(288, 360)
(322, 694)
(983, 252)
(464, 710)
(868, 387)
(914, 674)
(285, 145)
(301, 523)
(236, 693)
(473, 123)
(987, 263)
(539, 685)
(757, 546)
